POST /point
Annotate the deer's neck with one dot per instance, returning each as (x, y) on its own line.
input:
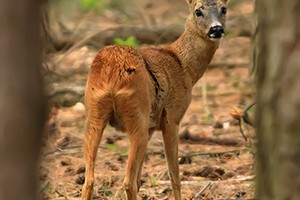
(195, 52)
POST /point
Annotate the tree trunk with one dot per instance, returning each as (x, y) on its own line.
(22, 111)
(278, 98)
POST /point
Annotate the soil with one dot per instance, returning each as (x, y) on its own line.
(215, 160)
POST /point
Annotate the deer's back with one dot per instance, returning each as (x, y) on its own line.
(153, 76)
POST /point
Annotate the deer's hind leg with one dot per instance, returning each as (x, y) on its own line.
(138, 181)
(98, 114)
(138, 146)
(135, 118)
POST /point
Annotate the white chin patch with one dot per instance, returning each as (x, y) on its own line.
(212, 37)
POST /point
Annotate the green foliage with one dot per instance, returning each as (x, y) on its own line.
(45, 186)
(153, 182)
(210, 87)
(100, 5)
(113, 147)
(208, 118)
(250, 108)
(145, 197)
(104, 190)
(94, 5)
(130, 41)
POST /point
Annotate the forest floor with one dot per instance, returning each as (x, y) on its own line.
(215, 160)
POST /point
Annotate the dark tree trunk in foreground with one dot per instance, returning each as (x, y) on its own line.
(22, 111)
(278, 98)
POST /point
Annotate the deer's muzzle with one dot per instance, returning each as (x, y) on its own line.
(216, 32)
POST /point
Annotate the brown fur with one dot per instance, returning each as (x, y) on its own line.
(141, 90)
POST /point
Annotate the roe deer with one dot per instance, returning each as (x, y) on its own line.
(142, 90)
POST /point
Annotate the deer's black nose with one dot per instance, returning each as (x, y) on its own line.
(216, 32)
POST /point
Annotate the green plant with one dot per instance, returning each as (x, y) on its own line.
(113, 147)
(130, 41)
(153, 182)
(95, 5)
(105, 190)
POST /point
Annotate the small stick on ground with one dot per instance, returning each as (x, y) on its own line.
(202, 190)
(217, 153)
(62, 195)
(241, 128)
(162, 174)
(239, 179)
(62, 150)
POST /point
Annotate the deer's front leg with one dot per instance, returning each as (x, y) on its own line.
(170, 137)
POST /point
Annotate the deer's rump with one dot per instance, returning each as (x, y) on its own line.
(120, 86)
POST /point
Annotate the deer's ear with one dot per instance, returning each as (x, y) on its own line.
(189, 1)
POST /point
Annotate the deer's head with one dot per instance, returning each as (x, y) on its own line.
(209, 17)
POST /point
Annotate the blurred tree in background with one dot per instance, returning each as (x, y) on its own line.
(22, 106)
(278, 96)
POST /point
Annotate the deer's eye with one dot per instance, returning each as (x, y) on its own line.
(198, 13)
(224, 10)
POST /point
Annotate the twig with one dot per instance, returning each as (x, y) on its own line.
(160, 175)
(63, 150)
(228, 198)
(241, 179)
(216, 153)
(159, 163)
(151, 152)
(202, 190)
(60, 194)
(196, 154)
(148, 153)
(241, 128)
(76, 45)
(77, 27)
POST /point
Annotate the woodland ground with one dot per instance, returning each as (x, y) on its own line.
(215, 160)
